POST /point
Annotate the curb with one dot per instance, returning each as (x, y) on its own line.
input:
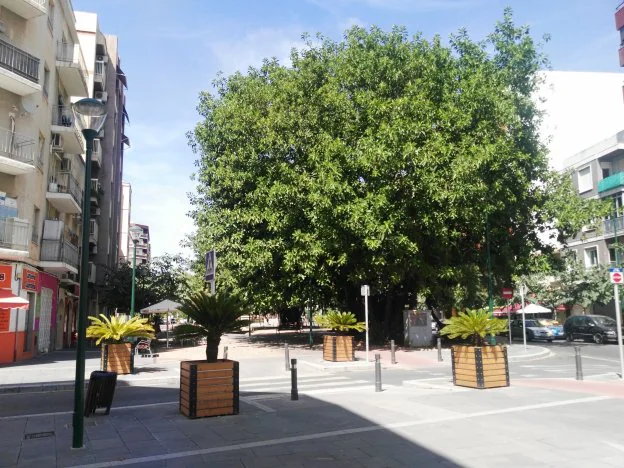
(65, 386)
(541, 354)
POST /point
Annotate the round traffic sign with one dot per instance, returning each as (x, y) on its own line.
(616, 277)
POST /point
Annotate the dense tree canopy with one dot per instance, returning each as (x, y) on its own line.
(378, 159)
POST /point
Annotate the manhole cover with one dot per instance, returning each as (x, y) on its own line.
(39, 435)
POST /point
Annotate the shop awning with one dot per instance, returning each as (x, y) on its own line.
(8, 300)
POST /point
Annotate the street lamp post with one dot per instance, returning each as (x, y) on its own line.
(135, 232)
(90, 116)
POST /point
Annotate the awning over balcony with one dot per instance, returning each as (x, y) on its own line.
(122, 77)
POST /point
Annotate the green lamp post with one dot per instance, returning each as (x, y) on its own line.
(135, 233)
(90, 116)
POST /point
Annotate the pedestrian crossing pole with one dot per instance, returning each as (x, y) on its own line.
(365, 291)
(617, 278)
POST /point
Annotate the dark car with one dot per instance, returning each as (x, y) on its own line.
(596, 328)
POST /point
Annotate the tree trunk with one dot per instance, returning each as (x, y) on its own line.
(212, 348)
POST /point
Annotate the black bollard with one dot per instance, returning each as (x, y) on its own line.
(287, 357)
(579, 363)
(294, 393)
(377, 373)
(392, 356)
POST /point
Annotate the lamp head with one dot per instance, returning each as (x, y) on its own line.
(90, 114)
(135, 232)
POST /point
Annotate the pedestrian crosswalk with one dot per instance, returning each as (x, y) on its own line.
(266, 388)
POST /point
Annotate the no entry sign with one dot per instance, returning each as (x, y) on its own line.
(617, 277)
(507, 293)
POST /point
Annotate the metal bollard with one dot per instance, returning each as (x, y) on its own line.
(287, 357)
(225, 350)
(294, 393)
(579, 363)
(377, 373)
(440, 350)
(392, 350)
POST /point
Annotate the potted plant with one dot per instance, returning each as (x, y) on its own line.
(477, 365)
(210, 387)
(116, 355)
(338, 347)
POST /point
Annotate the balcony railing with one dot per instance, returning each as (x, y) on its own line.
(63, 116)
(59, 251)
(19, 62)
(95, 188)
(99, 71)
(70, 53)
(66, 183)
(14, 233)
(17, 147)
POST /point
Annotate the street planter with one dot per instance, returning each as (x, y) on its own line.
(117, 357)
(209, 388)
(338, 348)
(480, 366)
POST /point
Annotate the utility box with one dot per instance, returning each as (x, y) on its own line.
(417, 328)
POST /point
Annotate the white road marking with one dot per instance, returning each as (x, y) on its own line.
(264, 408)
(302, 388)
(300, 381)
(333, 434)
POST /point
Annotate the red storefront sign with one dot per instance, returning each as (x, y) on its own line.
(5, 317)
(6, 275)
(30, 280)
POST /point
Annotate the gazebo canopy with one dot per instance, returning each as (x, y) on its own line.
(162, 307)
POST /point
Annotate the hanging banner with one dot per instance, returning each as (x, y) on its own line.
(30, 280)
(6, 275)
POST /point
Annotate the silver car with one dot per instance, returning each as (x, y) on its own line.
(534, 330)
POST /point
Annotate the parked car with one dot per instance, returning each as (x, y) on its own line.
(596, 328)
(555, 327)
(534, 330)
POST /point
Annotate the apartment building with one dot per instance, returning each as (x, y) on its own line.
(106, 82)
(126, 212)
(43, 69)
(143, 246)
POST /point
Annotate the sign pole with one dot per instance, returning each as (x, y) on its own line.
(365, 290)
(509, 319)
(617, 278)
(523, 319)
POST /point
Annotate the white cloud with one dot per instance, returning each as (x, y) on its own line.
(253, 47)
(350, 22)
(405, 5)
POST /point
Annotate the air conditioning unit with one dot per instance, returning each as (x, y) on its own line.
(66, 165)
(102, 58)
(57, 141)
(52, 187)
(96, 211)
(92, 271)
(101, 95)
(94, 250)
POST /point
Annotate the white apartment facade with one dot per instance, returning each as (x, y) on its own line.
(43, 69)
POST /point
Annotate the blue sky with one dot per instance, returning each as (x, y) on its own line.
(171, 50)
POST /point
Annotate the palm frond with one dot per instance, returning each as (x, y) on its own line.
(115, 329)
(339, 321)
(475, 324)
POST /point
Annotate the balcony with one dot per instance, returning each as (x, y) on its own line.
(15, 234)
(96, 192)
(92, 272)
(27, 9)
(99, 75)
(611, 182)
(64, 124)
(65, 193)
(93, 231)
(19, 71)
(619, 16)
(18, 153)
(96, 154)
(72, 69)
(59, 256)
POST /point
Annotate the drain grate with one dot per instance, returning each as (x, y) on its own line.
(39, 435)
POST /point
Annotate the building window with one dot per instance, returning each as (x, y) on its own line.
(585, 180)
(591, 257)
(606, 172)
(612, 257)
(35, 226)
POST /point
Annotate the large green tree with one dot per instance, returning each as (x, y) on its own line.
(378, 159)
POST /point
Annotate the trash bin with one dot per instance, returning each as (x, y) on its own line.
(100, 392)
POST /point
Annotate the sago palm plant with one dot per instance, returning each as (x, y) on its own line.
(341, 322)
(214, 315)
(474, 324)
(115, 329)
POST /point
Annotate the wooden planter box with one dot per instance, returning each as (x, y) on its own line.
(208, 388)
(118, 358)
(480, 367)
(338, 348)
